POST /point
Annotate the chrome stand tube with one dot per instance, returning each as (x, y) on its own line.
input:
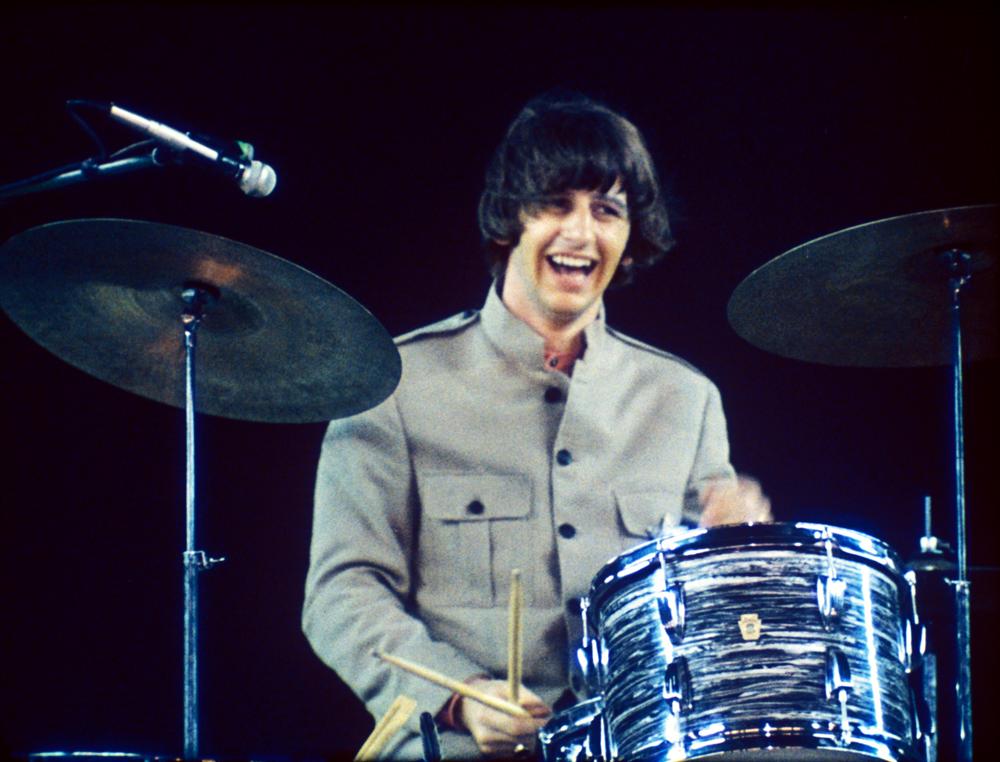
(194, 561)
(958, 263)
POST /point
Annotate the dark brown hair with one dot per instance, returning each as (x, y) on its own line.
(563, 142)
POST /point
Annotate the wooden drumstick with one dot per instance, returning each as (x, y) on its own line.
(455, 686)
(386, 728)
(514, 638)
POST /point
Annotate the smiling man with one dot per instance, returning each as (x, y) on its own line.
(528, 435)
(569, 249)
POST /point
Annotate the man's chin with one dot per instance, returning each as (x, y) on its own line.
(569, 308)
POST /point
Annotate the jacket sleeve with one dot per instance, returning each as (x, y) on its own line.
(711, 460)
(361, 579)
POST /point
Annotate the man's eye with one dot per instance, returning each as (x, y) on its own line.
(557, 204)
(610, 210)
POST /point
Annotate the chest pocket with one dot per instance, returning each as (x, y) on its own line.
(470, 524)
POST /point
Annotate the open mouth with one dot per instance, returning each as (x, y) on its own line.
(565, 264)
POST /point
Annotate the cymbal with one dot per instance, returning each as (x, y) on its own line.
(876, 295)
(278, 345)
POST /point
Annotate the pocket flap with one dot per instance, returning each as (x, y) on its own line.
(643, 513)
(475, 497)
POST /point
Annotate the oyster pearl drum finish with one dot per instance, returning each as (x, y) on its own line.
(577, 733)
(757, 642)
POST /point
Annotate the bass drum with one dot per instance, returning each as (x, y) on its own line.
(757, 642)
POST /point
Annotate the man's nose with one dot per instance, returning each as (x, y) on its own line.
(578, 226)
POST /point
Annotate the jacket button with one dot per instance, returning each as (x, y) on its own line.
(564, 457)
(567, 530)
(553, 394)
(476, 508)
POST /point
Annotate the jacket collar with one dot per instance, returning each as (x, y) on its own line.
(514, 338)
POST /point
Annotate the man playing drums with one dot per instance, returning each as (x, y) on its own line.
(527, 435)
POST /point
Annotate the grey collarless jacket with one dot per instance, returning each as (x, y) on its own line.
(484, 461)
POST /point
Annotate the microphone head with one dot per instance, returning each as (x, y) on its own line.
(257, 180)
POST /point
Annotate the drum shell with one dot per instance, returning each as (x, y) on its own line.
(749, 669)
(569, 736)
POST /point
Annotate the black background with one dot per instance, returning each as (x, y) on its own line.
(770, 127)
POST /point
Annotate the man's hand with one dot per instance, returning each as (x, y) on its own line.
(498, 734)
(740, 503)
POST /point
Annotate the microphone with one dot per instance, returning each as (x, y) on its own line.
(253, 177)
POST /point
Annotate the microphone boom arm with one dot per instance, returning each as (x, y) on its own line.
(85, 171)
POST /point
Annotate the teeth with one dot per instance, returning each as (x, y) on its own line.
(564, 260)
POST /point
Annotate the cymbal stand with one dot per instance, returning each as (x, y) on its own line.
(198, 299)
(958, 263)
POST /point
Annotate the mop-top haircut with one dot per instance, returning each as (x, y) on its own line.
(560, 143)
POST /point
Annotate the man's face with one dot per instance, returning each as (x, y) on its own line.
(569, 249)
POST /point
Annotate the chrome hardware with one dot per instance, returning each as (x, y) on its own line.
(830, 588)
(830, 597)
(829, 543)
(672, 609)
(838, 685)
(599, 744)
(586, 672)
(677, 686)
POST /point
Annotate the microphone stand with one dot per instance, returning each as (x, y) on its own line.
(85, 171)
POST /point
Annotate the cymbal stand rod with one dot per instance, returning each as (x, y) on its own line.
(958, 263)
(194, 561)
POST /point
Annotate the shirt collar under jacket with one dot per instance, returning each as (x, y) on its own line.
(515, 338)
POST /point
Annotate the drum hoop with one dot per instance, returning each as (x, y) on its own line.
(807, 537)
(110, 756)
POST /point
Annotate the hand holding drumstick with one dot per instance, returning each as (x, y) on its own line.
(499, 727)
(503, 716)
(497, 734)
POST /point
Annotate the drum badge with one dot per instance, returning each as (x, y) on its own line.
(750, 626)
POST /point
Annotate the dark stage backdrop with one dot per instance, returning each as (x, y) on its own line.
(771, 128)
